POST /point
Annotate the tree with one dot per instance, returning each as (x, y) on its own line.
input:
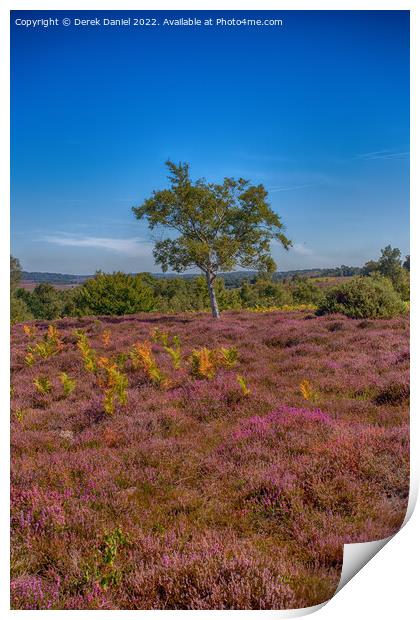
(44, 302)
(370, 267)
(15, 273)
(219, 226)
(390, 266)
(19, 310)
(390, 261)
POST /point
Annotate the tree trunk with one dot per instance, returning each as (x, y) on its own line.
(212, 294)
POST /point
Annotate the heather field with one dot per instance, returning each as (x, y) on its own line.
(177, 462)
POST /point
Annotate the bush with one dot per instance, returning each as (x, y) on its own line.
(264, 294)
(363, 298)
(44, 302)
(19, 311)
(305, 292)
(114, 294)
(401, 282)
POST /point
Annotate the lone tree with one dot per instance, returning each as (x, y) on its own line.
(219, 226)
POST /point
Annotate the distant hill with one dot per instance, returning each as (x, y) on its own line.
(39, 277)
(232, 278)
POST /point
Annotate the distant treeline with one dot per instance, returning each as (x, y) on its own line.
(379, 288)
(231, 279)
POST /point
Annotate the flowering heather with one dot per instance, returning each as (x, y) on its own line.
(229, 492)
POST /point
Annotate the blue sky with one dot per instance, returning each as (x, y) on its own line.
(317, 110)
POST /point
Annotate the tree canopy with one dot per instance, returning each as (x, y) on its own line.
(218, 227)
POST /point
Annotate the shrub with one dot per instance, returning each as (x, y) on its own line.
(114, 294)
(19, 311)
(44, 302)
(363, 298)
(264, 294)
(305, 292)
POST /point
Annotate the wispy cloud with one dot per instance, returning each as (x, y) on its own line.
(297, 248)
(134, 246)
(287, 188)
(385, 154)
(302, 249)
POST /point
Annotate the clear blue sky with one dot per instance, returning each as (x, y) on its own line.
(317, 110)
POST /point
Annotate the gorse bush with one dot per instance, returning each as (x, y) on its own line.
(363, 298)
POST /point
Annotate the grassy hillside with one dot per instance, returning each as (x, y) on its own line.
(195, 493)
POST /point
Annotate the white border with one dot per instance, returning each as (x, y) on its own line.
(396, 567)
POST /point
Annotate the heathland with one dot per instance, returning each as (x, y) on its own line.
(171, 461)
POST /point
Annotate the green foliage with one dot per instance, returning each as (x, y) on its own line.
(88, 354)
(19, 414)
(389, 261)
(304, 291)
(15, 273)
(171, 344)
(114, 294)
(226, 357)
(103, 569)
(242, 384)
(44, 302)
(372, 266)
(68, 384)
(19, 311)
(29, 359)
(43, 385)
(372, 297)
(219, 226)
(116, 389)
(401, 283)
(264, 294)
(390, 265)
